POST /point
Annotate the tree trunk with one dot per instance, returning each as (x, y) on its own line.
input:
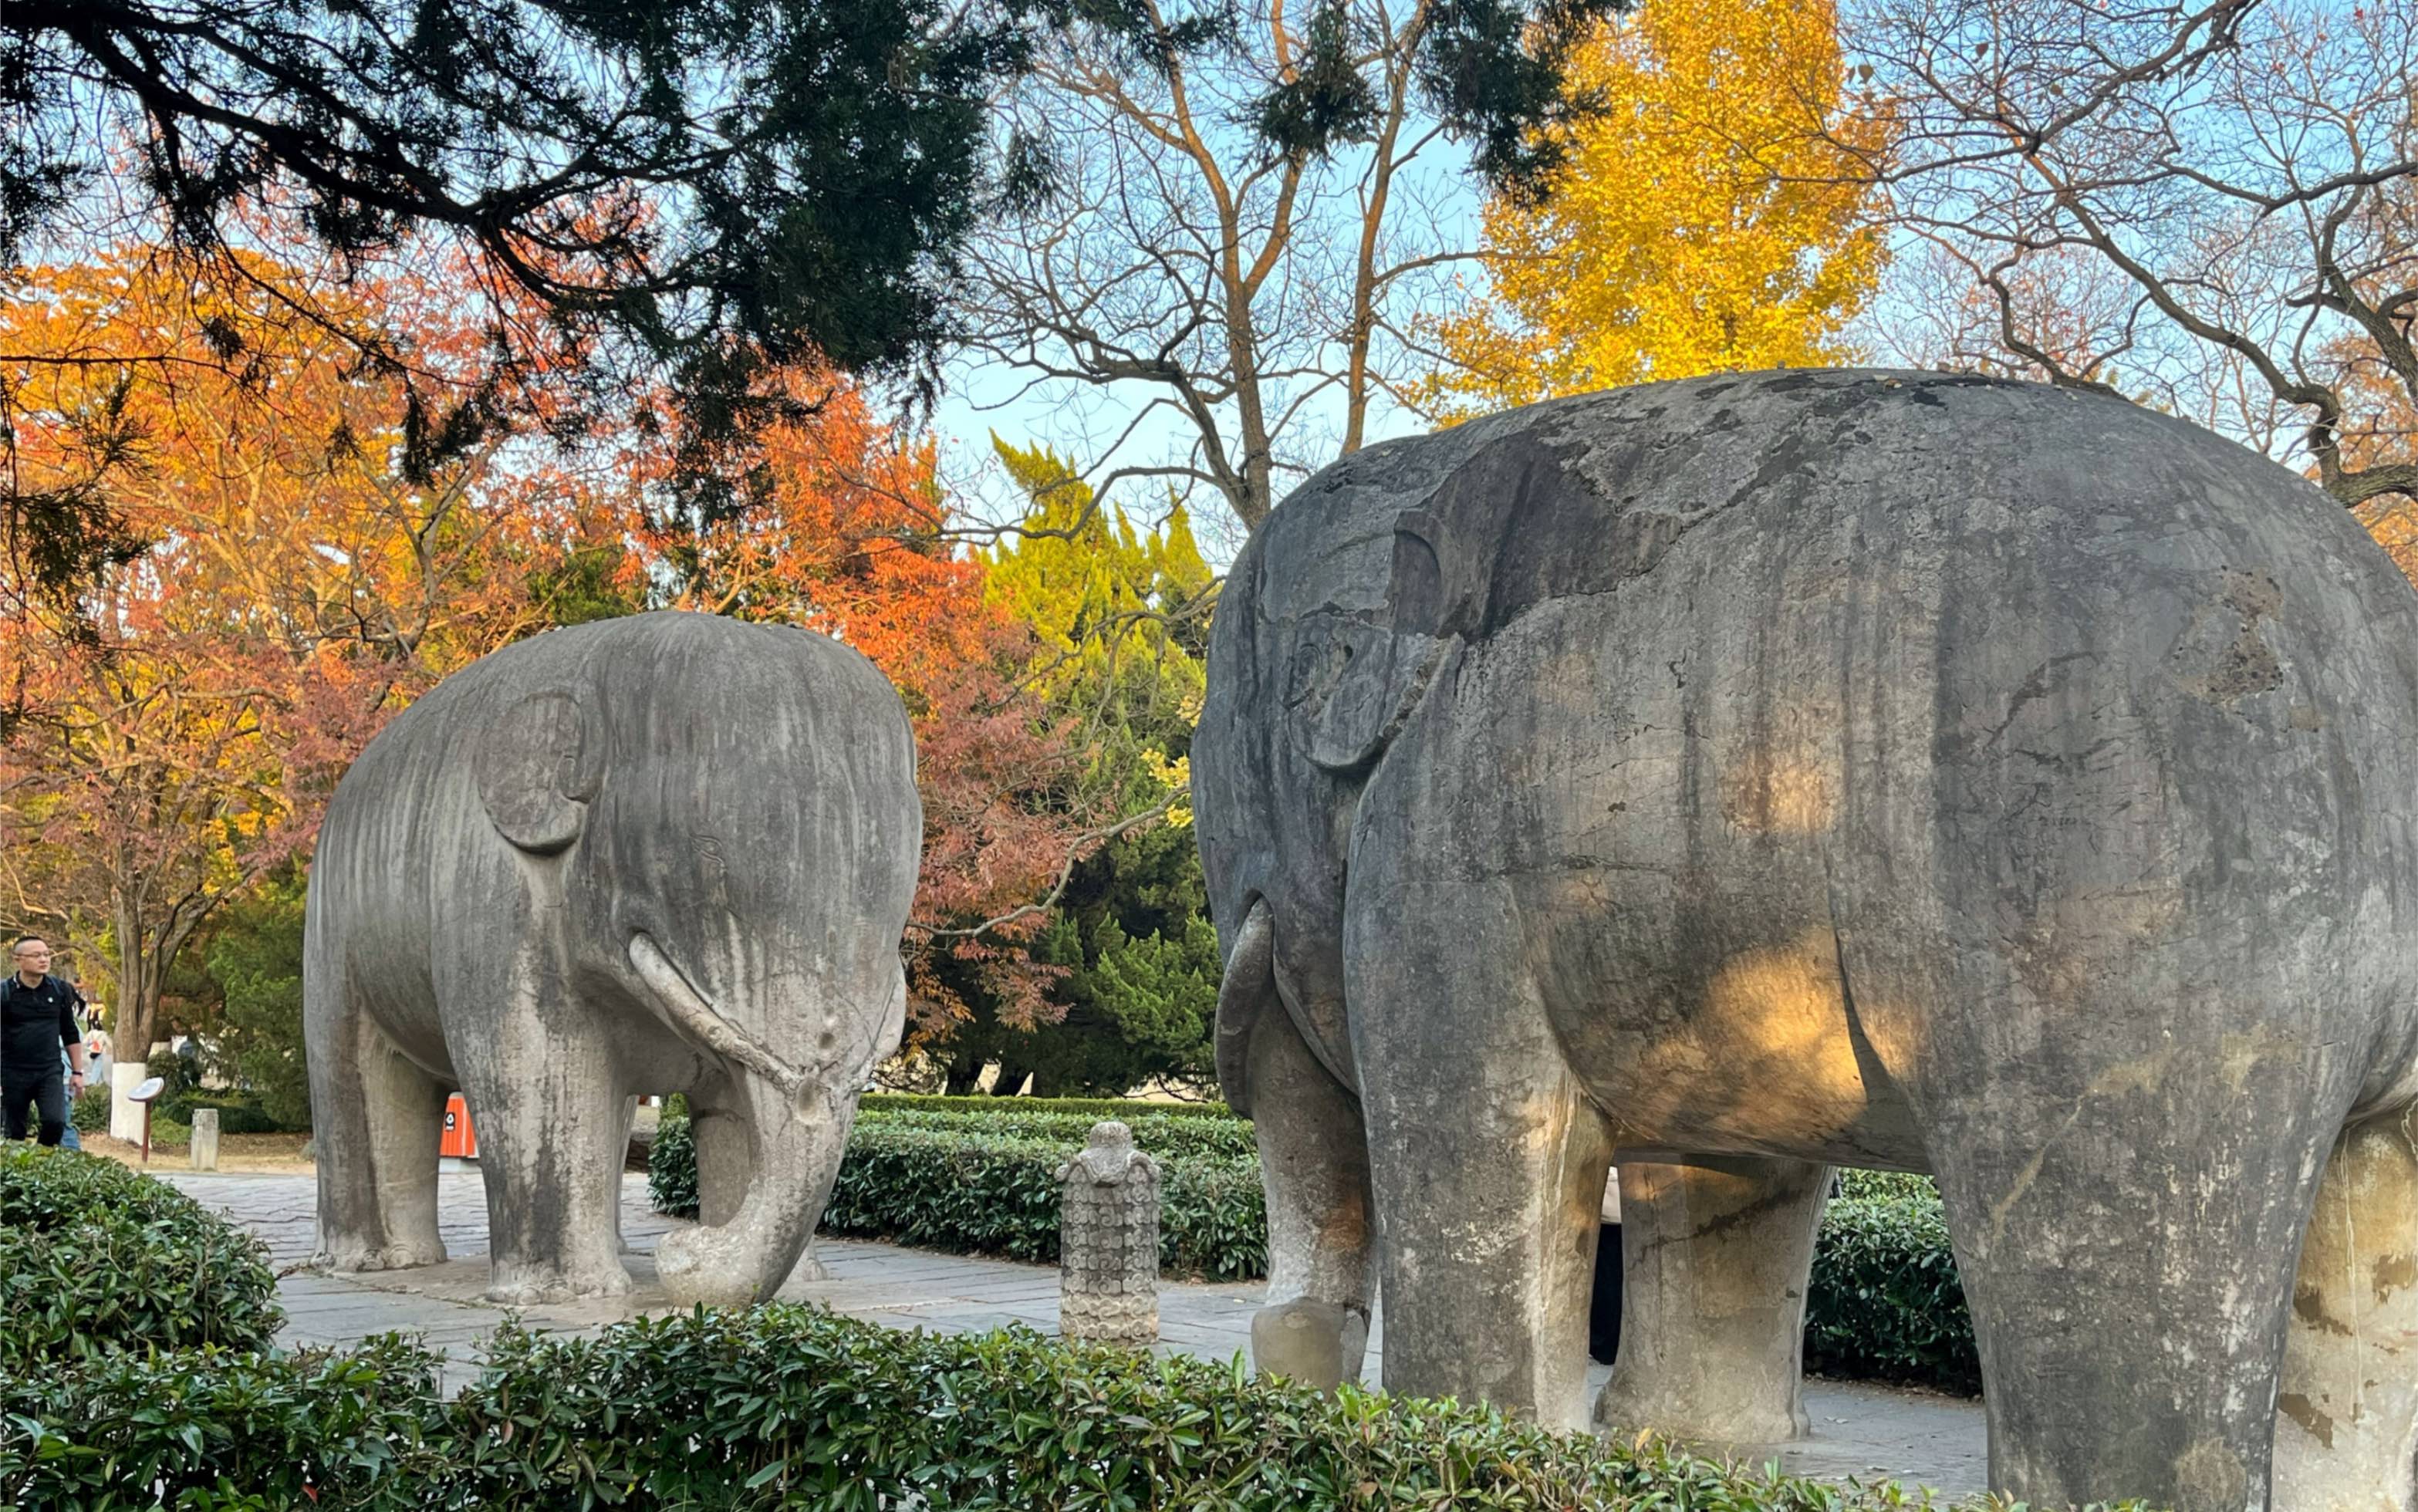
(141, 983)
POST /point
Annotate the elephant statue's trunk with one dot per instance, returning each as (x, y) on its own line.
(780, 1146)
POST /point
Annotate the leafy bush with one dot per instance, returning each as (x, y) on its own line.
(1093, 1107)
(790, 1407)
(996, 1196)
(100, 1258)
(1175, 1137)
(784, 1405)
(207, 1430)
(180, 1076)
(1885, 1184)
(90, 1113)
(1885, 1303)
(671, 1165)
(237, 1115)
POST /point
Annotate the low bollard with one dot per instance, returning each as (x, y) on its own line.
(206, 1139)
(1108, 1243)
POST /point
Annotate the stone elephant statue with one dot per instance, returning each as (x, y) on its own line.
(672, 853)
(1748, 775)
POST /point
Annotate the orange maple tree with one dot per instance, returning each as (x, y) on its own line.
(171, 732)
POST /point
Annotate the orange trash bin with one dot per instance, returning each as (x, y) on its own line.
(461, 1142)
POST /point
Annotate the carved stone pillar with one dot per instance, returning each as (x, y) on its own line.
(1108, 1243)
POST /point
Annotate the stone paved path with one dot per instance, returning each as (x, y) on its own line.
(1858, 1430)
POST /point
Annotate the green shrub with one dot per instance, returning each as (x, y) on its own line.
(786, 1407)
(210, 1431)
(179, 1075)
(1093, 1108)
(237, 1115)
(1155, 1132)
(1885, 1184)
(100, 1258)
(993, 1196)
(90, 1113)
(1885, 1303)
(671, 1165)
(790, 1407)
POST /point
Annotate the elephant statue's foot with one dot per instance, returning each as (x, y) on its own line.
(356, 1257)
(715, 1266)
(1703, 1411)
(1315, 1343)
(526, 1287)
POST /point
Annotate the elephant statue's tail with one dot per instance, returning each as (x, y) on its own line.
(1248, 990)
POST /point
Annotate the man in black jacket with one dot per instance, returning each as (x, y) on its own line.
(37, 1021)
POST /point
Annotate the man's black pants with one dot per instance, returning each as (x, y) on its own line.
(47, 1093)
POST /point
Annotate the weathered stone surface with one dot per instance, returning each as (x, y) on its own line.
(1893, 770)
(671, 852)
(1108, 1242)
(204, 1151)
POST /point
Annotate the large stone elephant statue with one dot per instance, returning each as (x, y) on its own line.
(1748, 775)
(667, 853)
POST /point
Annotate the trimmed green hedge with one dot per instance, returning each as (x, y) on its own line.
(1175, 1138)
(202, 1430)
(1885, 1184)
(930, 1180)
(236, 1114)
(782, 1407)
(1884, 1302)
(1000, 1196)
(1094, 1109)
(97, 1258)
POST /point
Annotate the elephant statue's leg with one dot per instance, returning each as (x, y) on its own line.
(1486, 1159)
(1714, 1254)
(2347, 1423)
(551, 1146)
(2126, 1244)
(1314, 1164)
(378, 1122)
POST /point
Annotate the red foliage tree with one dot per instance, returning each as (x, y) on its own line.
(172, 733)
(846, 539)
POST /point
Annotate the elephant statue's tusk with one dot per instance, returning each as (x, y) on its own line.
(691, 1014)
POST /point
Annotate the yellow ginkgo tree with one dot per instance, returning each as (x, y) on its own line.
(1713, 216)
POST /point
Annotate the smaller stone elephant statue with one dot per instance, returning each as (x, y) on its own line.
(672, 853)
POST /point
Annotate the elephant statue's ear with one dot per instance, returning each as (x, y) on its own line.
(1354, 685)
(538, 761)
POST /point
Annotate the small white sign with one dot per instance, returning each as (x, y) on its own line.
(151, 1087)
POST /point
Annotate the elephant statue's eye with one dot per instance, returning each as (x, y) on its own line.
(1318, 669)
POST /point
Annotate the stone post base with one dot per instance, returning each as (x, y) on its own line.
(125, 1114)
